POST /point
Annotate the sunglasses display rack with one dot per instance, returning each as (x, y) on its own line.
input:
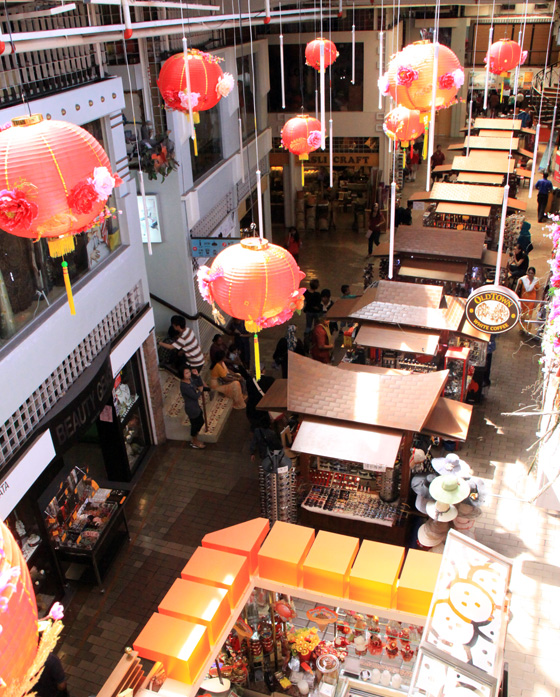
(277, 483)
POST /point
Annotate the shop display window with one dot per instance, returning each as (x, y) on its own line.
(295, 647)
(245, 79)
(209, 143)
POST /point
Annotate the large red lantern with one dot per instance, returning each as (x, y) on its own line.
(255, 281)
(208, 83)
(54, 182)
(301, 135)
(403, 125)
(18, 612)
(313, 53)
(409, 77)
(505, 55)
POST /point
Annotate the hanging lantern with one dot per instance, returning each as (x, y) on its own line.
(410, 75)
(18, 612)
(301, 135)
(403, 125)
(208, 83)
(313, 53)
(505, 55)
(255, 281)
(55, 182)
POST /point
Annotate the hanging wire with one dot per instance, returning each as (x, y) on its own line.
(301, 58)
(244, 110)
(490, 34)
(258, 172)
(18, 66)
(331, 134)
(471, 86)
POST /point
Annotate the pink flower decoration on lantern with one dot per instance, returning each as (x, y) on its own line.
(103, 182)
(16, 211)
(406, 75)
(225, 85)
(383, 84)
(57, 612)
(524, 55)
(314, 139)
(446, 81)
(205, 278)
(193, 98)
(458, 78)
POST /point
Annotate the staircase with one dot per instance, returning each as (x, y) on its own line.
(545, 84)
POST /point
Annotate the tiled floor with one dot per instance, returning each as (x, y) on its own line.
(185, 494)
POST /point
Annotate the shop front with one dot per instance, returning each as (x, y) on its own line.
(63, 497)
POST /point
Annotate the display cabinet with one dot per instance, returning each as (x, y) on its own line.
(457, 362)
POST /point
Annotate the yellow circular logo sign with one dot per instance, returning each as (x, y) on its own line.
(493, 309)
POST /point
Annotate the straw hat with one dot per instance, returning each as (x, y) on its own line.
(427, 538)
(451, 464)
(463, 524)
(449, 489)
(467, 509)
(440, 516)
(437, 527)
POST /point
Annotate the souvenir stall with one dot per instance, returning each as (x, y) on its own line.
(419, 318)
(479, 163)
(288, 611)
(354, 455)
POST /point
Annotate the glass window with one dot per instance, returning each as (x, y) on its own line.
(209, 142)
(301, 81)
(30, 279)
(246, 96)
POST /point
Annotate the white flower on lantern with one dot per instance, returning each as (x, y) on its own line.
(186, 99)
(225, 85)
(458, 77)
(103, 182)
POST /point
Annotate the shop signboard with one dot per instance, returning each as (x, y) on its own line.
(493, 309)
(210, 247)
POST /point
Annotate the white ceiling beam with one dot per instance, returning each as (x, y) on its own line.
(58, 10)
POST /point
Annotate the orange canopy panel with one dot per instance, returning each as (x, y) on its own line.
(327, 567)
(181, 646)
(245, 538)
(198, 603)
(418, 581)
(219, 569)
(284, 551)
(374, 576)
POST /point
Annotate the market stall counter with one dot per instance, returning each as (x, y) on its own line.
(85, 524)
(323, 616)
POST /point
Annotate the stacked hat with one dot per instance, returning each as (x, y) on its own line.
(451, 464)
(450, 489)
(429, 538)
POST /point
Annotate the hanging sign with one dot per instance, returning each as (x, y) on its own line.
(210, 247)
(493, 309)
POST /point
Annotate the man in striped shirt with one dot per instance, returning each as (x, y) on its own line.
(186, 343)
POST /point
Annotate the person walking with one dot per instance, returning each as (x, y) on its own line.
(191, 389)
(293, 244)
(527, 288)
(311, 305)
(544, 187)
(376, 221)
(321, 341)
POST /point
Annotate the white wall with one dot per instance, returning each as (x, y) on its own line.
(25, 366)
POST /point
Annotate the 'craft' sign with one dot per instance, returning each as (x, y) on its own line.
(493, 309)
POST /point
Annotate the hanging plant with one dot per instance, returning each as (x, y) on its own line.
(157, 157)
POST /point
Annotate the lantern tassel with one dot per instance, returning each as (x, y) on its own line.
(302, 174)
(68, 286)
(258, 353)
(425, 144)
(502, 92)
(59, 246)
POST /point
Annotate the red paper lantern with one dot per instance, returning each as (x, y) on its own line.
(409, 77)
(313, 53)
(255, 281)
(403, 125)
(301, 135)
(208, 82)
(54, 182)
(18, 611)
(505, 55)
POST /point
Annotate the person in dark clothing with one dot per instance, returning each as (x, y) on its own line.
(191, 389)
(404, 215)
(242, 341)
(52, 682)
(312, 305)
(544, 187)
(519, 264)
(376, 221)
(265, 438)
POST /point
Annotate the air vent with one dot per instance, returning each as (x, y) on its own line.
(507, 8)
(542, 7)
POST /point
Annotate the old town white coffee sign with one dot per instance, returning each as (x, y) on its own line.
(493, 309)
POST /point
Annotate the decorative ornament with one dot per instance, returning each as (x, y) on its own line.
(208, 83)
(255, 281)
(313, 53)
(410, 73)
(55, 182)
(284, 610)
(505, 55)
(302, 135)
(157, 157)
(322, 616)
(403, 125)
